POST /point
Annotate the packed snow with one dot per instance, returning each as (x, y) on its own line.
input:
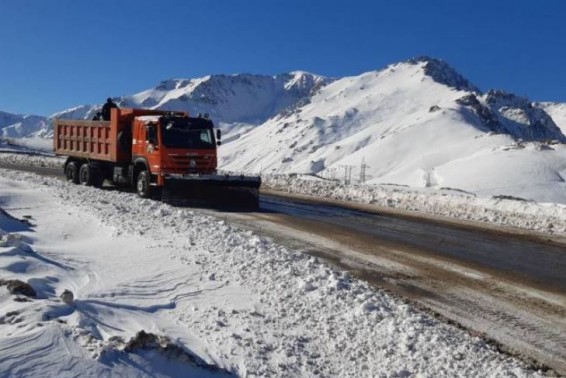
(228, 298)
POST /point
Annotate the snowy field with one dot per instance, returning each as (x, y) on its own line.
(213, 293)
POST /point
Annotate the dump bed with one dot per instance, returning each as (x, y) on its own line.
(99, 140)
(85, 139)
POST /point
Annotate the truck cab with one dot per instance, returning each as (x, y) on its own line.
(173, 145)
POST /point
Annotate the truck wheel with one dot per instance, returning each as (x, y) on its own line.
(72, 172)
(97, 178)
(85, 175)
(142, 185)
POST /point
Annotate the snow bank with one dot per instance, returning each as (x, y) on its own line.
(230, 296)
(30, 145)
(32, 160)
(504, 211)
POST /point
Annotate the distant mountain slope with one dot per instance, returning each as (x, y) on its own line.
(18, 125)
(241, 98)
(387, 116)
(557, 111)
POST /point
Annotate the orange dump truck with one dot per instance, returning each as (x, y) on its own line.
(163, 155)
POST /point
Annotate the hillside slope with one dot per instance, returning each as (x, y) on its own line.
(19, 125)
(557, 111)
(241, 98)
(410, 127)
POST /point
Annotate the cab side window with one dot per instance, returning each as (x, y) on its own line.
(151, 134)
(205, 137)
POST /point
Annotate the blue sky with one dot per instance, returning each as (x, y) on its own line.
(62, 53)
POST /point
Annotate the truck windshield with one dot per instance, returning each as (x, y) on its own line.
(193, 133)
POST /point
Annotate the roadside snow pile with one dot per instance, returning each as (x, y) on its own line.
(32, 160)
(232, 298)
(37, 145)
(549, 218)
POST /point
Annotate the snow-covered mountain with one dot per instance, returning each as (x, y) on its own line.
(417, 123)
(242, 98)
(18, 125)
(406, 126)
(393, 115)
(557, 111)
(78, 112)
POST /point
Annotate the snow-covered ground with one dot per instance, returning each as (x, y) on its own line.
(225, 295)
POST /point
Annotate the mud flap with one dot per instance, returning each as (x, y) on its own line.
(216, 191)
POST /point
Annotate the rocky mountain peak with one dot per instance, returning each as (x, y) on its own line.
(443, 73)
(507, 113)
(499, 98)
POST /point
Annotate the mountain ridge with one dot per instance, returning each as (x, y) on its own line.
(253, 99)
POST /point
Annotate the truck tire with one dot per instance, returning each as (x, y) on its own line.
(97, 178)
(85, 175)
(72, 172)
(143, 187)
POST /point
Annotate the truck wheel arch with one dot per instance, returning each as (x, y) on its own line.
(140, 164)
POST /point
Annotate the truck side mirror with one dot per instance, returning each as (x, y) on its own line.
(218, 137)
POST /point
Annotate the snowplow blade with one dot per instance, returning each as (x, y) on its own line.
(216, 191)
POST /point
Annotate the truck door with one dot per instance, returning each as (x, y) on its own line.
(151, 145)
(146, 145)
(138, 146)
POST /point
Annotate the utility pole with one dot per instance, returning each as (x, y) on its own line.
(347, 173)
(363, 171)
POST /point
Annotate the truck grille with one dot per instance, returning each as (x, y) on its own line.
(183, 163)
